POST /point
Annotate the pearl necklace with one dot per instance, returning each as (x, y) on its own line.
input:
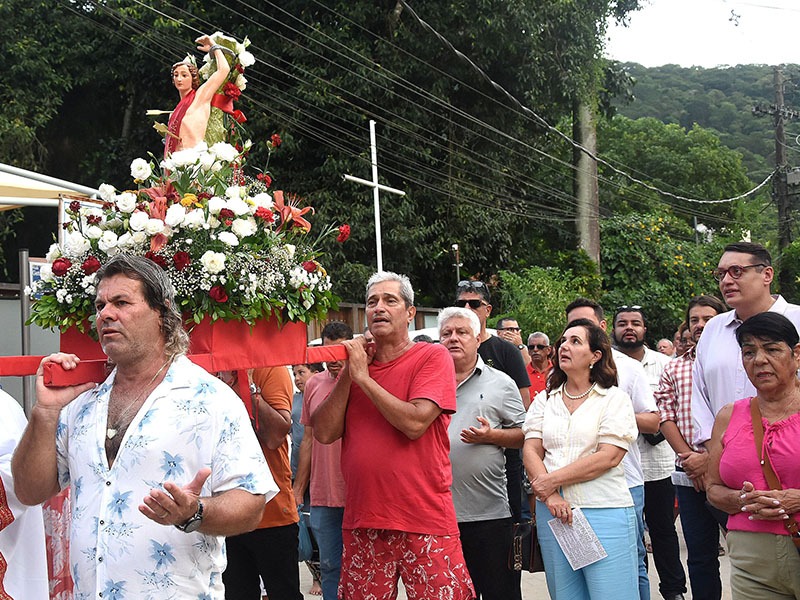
(579, 396)
(111, 432)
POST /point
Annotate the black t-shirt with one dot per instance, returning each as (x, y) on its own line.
(504, 356)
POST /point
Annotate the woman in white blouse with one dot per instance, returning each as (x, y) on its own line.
(576, 433)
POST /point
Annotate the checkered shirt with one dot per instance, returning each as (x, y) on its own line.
(674, 394)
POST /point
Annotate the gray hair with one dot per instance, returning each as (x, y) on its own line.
(158, 293)
(455, 312)
(406, 290)
(539, 334)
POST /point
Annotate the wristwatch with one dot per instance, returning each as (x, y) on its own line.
(254, 389)
(521, 346)
(194, 522)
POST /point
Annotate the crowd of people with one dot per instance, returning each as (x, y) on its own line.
(416, 460)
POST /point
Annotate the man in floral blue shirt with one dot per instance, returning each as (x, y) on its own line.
(160, 458)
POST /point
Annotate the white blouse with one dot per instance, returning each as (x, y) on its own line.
(605, 417)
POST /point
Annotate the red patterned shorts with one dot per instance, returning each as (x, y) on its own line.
(432, 566)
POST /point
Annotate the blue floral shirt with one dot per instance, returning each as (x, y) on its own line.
(190, 421)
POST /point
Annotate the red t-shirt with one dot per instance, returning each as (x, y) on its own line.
(393, 482)
(326, 484)
(538, 380)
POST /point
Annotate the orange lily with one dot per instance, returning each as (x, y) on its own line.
(290, 212)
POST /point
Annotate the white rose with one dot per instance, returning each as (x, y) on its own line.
(238, 206)
(207, 161)
(247, 145)
(125, 241)
(215, 204)
(139, 237)
(75, 245)
(244, 227)
(126, 202)
(241, 82)
(290, 250)
(224, 151)
(184, 158)
(53, 253)
(107, 192)
(263, 200)
(140, 169)
(138, 220)
(108, 241)
(175, 215)
(229, 239)
(213, 262)
(46, 273)
(234, 192)
(247, 59)
(195, 219)
(93, 232)
(154, 226)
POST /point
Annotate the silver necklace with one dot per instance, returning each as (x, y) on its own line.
(111, 432)
(579, 396)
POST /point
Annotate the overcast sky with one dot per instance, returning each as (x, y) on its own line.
(709, 33)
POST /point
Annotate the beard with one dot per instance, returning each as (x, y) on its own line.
(629, 345)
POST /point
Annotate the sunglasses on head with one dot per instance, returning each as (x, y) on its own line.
(537, 347)
(473, 304)
(468, 283)
(626, 308)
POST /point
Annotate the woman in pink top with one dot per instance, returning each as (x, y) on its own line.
(765, 563)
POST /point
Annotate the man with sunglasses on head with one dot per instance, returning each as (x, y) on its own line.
(744, 274)
(539, 368)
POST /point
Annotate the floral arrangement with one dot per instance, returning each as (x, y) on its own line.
(232, 250)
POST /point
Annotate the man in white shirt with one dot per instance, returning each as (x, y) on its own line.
(658, 459)
(633, 381)
(744, 274)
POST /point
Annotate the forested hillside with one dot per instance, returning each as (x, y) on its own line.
(720, 99)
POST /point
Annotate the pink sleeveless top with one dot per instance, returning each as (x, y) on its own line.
(739, 461)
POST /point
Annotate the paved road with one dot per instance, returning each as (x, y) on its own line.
(535, 588)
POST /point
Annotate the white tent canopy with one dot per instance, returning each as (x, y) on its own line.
(19, 188)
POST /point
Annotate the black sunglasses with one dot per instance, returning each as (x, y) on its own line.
(473, 304)
(537, 347)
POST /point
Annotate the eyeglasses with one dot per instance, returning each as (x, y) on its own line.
(735, 271)
(509, 329)
(474, 304)
(468, 283)
(537, 347)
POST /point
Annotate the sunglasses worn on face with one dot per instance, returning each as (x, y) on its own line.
(735, 271)
(537, 347)
(473, 304)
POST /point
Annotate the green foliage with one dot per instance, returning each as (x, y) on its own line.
(651, 260)
(536, 296)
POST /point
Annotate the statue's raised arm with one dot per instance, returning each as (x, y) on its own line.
(199, 114)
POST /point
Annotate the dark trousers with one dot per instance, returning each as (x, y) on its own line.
(270, 553)
(514, 482)
(701, 523)
(486, 545)
(659, 514)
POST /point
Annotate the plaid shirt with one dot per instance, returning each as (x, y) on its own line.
(674, 394)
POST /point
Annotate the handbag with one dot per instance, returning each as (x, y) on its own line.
(525, 553)
(769, 473)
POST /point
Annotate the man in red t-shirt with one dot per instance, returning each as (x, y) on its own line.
(540, 366)
(391, 407)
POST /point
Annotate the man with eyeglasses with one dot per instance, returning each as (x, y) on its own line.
(508, 328)
(540, 366)
(744, 274)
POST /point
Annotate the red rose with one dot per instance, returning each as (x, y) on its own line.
(218, 294)
(203, 196)
(344, 233)
(158, 259)
(276, 140)
(94, 219)
(232, 91)
(74, 206)
(61, 266)
(265, 178)
(90, 265)
(265, 214)
(226, 213)
(181, 260)
(310, 266)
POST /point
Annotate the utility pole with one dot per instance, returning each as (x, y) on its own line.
(780, 189)
(584, 131)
